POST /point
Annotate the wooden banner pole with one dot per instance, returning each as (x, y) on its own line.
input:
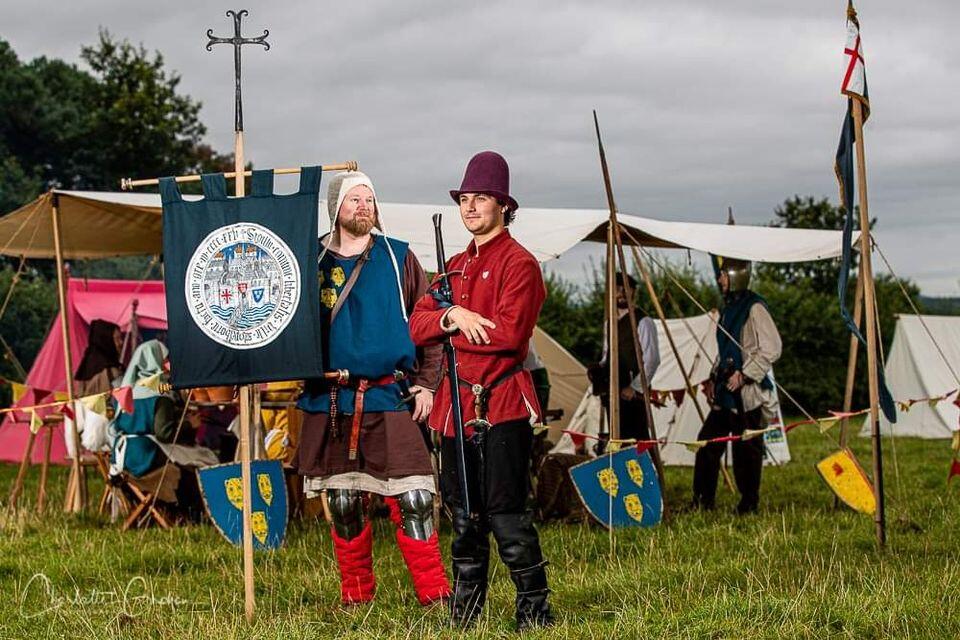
(44, 470)
(869, 319)
(22, 471)
(249, 598)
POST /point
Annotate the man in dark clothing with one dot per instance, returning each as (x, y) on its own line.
(739, 388)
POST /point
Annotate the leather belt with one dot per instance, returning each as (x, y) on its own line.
(481, 396)
(343, 380)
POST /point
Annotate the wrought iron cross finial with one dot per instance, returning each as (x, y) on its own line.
(237, 41)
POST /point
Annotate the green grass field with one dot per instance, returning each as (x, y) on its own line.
(797, 570)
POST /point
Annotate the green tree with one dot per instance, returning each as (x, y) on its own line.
(63, 126)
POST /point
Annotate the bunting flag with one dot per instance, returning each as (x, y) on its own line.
(61, 396)
(678, 395)
(124, 398)
(151, 382)
(96, 403)
(36, 422)
(18, 390)
(846, 479)
(68, 412)
(854, 86)
(954, 470)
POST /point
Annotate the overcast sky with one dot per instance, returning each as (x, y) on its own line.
(702, 104)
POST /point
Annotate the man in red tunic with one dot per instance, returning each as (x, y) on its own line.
(497, 294)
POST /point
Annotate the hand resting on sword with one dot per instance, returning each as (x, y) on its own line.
(471, 324)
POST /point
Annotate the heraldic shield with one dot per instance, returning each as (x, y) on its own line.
(223, 496)
(620, 489)
(241, 282)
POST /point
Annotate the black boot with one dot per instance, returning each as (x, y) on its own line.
(519, 548)
(533, 610)
(471, 560)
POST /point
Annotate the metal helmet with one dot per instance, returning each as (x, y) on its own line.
(738, 272)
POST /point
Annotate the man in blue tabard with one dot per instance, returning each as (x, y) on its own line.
(360, 434)
(739, 388)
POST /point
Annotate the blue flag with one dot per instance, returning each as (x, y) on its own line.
(241, 282)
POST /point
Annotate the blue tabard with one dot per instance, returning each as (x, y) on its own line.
(369, 336)
(142, 453)
(733, 317)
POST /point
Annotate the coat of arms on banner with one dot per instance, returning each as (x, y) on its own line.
(242, 285)
(222, 491)
(620, 489)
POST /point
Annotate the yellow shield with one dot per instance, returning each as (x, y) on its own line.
(634, 506)
(845, 477)
(234, 492)
(258, 525)
(608, 481)
(635, 472)
(266, 488)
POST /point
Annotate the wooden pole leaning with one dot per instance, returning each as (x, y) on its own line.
(17, 488)
(638, 353)
(44, 470)
(613, 360)
(77, 488)
(851, 366)
(869, 320)
(691, 391)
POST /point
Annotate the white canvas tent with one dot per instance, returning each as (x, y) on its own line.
(568, 379)
(98, 224)
(914, 369)
(696, 342)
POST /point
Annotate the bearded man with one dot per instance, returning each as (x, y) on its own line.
(359, 436)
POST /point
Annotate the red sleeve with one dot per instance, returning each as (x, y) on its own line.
(518, 308)
(425, 328)
(429, 358)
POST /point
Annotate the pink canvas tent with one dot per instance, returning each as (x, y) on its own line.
(87, 300)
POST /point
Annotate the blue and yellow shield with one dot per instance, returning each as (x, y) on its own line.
(620, 489)
(223, 496)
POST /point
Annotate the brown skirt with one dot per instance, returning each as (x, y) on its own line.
(391, 446)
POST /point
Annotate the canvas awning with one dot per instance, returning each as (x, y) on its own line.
(107, 224)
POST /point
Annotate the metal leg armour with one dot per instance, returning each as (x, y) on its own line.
(347, 512)
(416, 512)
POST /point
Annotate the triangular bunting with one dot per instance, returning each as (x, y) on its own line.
(36, 422)
(124, 398)
(18, 390)
(96, 403)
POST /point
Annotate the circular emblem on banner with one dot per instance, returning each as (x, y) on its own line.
(242, 286)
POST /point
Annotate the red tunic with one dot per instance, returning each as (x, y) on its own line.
(501, 281)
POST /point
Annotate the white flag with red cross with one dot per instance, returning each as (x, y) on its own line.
(854, 83)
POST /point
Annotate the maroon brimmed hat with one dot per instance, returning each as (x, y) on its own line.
(487, 172)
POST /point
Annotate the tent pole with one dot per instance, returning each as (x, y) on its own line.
(869, 319)
(78, 496)
(638, 352)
